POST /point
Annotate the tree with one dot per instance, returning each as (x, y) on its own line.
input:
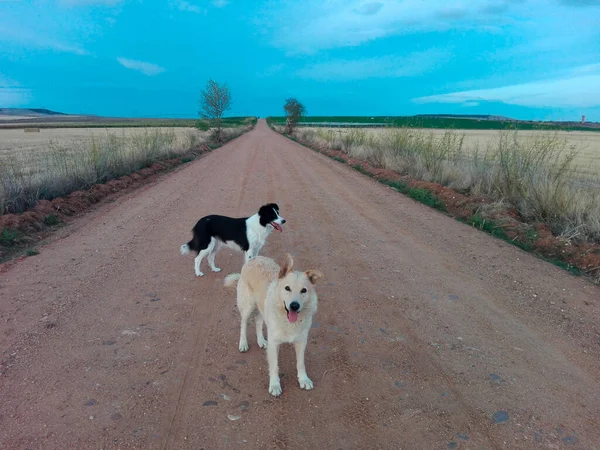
(294, 110)
(215, 99)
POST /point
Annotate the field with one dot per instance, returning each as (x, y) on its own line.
(585, 143)
(439, 122)
(73, 121)
(44, 160)
(547, 176)
(34, 145)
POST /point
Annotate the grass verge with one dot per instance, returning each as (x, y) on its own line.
(538, 175)
(11, 238)
(421, 195)
(22, 228)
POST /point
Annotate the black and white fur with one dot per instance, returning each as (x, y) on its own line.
(245, 234)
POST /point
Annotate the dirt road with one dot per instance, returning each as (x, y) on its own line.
(429, 335)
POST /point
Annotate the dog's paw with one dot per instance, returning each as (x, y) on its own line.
(243, 346)
(275, 389)
(199, 274)
(305, 383)
(262, 343)
(216, 269)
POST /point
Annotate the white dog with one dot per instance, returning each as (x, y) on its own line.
(286, 302)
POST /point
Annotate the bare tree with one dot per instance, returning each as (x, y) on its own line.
(215, 99)
(294, 110)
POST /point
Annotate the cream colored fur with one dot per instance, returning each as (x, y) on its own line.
(265, 286)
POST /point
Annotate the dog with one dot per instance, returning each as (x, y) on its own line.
(286, 301)
(245, 234)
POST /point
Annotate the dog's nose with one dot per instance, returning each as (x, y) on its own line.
(294, 306)
(283, 221)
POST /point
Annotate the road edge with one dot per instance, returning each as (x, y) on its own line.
(578, 259)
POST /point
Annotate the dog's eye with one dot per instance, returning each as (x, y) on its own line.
(303, 291)
(287, 288)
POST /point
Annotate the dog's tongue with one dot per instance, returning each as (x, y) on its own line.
(293, 316)
(277, 227)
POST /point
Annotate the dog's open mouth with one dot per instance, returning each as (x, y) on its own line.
(277, 226)
(291, 315)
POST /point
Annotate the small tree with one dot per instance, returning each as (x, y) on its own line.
(215, 99)
(294, 110)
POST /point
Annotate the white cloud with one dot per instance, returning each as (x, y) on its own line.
(220, 3)
(588, 69)
(61, 46)
(189, 7)
(368, 9)
(312, 25)
(23, 37)
(6, 82)
(390, 66)
(579, 89)
(556, 35)
(581, 3)
(13, 97)
(73, 3)
(11, 94)
(144, 67)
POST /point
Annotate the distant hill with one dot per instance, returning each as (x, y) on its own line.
(47, 112)
(29, 112)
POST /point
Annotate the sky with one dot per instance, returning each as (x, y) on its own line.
(527, 59)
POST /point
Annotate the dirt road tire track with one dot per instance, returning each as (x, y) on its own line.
(429, 333)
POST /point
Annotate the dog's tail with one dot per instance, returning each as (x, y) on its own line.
(184, 249)
(231, 280)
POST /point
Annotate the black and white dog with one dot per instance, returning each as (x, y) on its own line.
(246, 234)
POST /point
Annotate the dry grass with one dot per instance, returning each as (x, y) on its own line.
(552, 177)
(55, 162)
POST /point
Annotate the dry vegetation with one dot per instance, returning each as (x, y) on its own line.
(548, 176)
(54, 162)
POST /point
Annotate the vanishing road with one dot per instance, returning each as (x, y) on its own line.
(429, 334)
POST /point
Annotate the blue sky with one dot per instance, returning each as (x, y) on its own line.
(528, 59)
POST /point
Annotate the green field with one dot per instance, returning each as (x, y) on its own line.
(439, 122)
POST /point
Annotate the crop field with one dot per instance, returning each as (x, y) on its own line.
(44, 163)
(73, 121)
(549, 176)
(585, 144)
(33, 150)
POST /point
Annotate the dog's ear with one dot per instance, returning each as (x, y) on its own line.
(287, 266)
(313, 275)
